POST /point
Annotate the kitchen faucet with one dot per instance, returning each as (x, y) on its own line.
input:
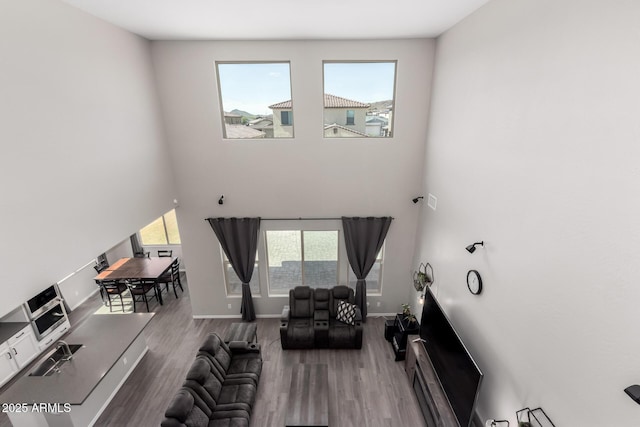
(65, 349)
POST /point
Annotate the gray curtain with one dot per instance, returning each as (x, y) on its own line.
(239, 240)
(135, 244)
(363, 239)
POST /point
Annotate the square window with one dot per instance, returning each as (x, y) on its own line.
(360, 95)
(286, 118)
(252, 97)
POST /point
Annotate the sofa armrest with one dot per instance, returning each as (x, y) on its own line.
(358, 316)
(241, 347)
(284, 326)
(286, 314)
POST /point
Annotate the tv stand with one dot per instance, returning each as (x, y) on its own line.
(431, 398)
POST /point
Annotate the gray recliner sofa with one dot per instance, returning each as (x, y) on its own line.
(310, 320)
(220, 387)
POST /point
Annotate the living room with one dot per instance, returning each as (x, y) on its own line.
(521, 120)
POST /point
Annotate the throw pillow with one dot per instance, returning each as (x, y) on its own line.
(346, 313)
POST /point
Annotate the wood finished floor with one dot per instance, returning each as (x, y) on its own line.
(367, 388)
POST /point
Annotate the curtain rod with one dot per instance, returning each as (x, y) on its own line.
(304, 219)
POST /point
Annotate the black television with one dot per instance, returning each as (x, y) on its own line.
(457, 372)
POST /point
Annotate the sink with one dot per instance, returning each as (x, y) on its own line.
(53, 361)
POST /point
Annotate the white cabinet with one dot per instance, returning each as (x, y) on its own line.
(17, 352)
(24, 347)
(8, 366)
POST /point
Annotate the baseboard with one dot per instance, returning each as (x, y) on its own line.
(217, 316)
(272, 316)
(392, 315)
(234, 316)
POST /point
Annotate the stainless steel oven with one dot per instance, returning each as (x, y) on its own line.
(42, 302)
(48, 321)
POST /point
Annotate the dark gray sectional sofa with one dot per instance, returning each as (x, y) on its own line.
(220, 388)
(310, 321)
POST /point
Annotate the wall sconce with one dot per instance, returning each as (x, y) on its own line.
(633, 391)
(495, 423)
(221, 200)
(472, 248)
(415, 200)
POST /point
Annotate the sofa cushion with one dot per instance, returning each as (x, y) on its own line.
(341, 335)
(202, 379)
(183, 411)
(346, 313)
(321, 297)
(301, 333)
(218, 350)
(301, 302)
(337, 294)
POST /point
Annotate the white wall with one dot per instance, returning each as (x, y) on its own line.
(84, 161)
(307, 176)
(533, 147)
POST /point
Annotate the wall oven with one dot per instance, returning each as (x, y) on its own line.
(48, 321)
(42, 302)
(46, 312)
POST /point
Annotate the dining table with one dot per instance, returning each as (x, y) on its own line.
(147, 268)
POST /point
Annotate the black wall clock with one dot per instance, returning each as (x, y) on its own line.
(474, 282)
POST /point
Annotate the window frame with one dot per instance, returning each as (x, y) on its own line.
(289, 117)
(351, 120)
(221, 102)
(391, 122)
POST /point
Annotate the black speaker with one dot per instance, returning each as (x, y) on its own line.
(389, 329)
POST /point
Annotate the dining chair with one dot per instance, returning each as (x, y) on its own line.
(142, 254)
(140, 288)
(113, 288)
(165, 253)
(172, 276)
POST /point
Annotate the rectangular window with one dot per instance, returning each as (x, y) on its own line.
(361, 95)
(374, 278)
(301, 258)
(233, 282)
(286, 117)
(351, 117)
(252, 96)
(162, 231)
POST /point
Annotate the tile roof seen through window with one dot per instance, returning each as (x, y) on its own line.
(330, 101)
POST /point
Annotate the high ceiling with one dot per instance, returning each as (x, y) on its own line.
(281, 19)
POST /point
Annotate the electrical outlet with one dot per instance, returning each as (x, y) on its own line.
(378, 304)
(124, 360)
(368, 304)
(229, 306)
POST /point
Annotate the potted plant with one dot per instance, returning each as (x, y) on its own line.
(411, 318)
(406, 310)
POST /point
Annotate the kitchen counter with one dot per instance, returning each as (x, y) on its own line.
(8, 329)
(106, 338)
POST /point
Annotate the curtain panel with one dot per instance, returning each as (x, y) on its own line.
(239, 240)
(364, 238)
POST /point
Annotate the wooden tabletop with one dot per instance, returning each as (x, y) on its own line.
(308, 396)
(136, 268)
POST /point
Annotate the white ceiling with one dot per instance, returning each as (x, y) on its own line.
(281, 19)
